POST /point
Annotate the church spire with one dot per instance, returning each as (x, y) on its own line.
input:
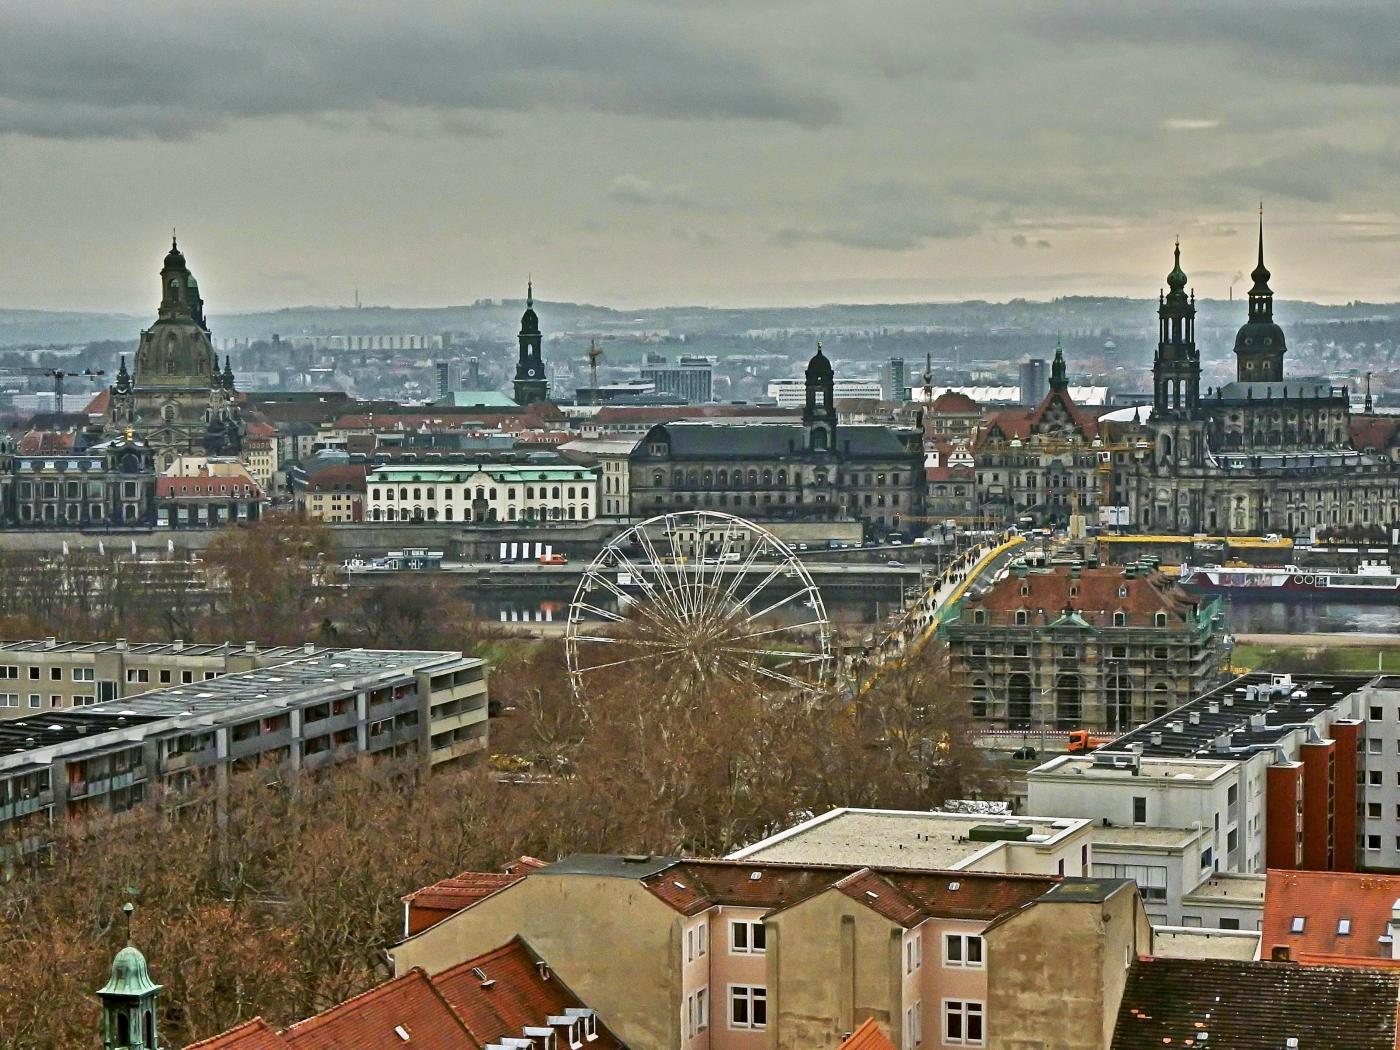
(129, 1000)
(1058, 378)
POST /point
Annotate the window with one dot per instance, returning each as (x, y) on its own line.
(1139, 809)
(55, 674)
(1373, 843)
(697, 1012)
(83, 674)
(914, 1024)
(962, 1022)
(1373, 745)
(748, 1006)
(697, 940)
(747, 937)
(35, 700)
(913, 952)
(1373, 810)
(962, 949)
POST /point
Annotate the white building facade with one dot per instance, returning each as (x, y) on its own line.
(481, 493)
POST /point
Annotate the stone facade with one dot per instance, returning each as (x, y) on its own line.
(1098, 647)
(1265, 453)
(812, 470)
(177, 398)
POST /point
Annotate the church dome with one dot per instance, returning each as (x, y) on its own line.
(129, 975)
(174, 259)
(1176, 280)
(1258, 335)
(818, 368)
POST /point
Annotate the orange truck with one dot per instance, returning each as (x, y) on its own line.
(1081, 741)
(553, 559)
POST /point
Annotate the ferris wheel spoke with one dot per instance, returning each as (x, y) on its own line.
(643, 643)
(772, 575)
(601, 613)
(647, 657)
(776, 605)
(643, 606)
(782, 628)
(790, 654)
(786, 679)
(659, 567)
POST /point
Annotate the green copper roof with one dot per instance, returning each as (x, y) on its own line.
(1072, 619)
(129, 975)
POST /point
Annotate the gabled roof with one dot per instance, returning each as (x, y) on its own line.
(1022, 422)
(1377, 432)
(370, 1021)
(47, 442)
(256, 1034)
(1255, 1006)
(869, 1036)
(1328, 903)
(519, 989)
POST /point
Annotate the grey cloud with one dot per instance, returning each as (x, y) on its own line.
(1020, 240)
(1357, 42)
(891, 233)
(73, 71)
(633, 189)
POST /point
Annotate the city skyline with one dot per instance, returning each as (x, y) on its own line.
(638, 154)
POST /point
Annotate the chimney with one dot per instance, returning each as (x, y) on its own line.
(309, 648)
(1194, 717)
(50, 642)
(250, 647)
(177, 644)
(1157, 738)
(121, 645)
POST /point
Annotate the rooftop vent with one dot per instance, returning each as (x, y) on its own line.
(1157, 739)
(954, 886)
(401, 1032)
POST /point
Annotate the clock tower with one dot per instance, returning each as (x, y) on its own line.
(530, 383)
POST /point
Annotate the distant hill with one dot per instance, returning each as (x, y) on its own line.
(1078, 314)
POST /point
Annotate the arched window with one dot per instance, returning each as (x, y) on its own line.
(1120, 619)
(1021, 617)
(658, 478)
(1160, 619)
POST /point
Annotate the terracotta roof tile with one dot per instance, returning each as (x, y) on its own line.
(1324, 900)
(883, 897)
(1378, 432)
(47, 442)
(954, 401)
(1021, 422)
(869, 1036)
(517, 991)
(732, 883)
(256, 1034)
(1255, 1006)
(369, 1021)
(99, 404)
(432, 904)
(1096, 600)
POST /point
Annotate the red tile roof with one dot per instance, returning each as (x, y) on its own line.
(1022, 422)
(1378, 432)
(202, 485)
(256, 1034)
(457, 1009)
(1096, 600)
(370, 1021)
(1323, 900)
(432, 904)
(341, 477)
(99, 404)
(954, 401)
(47, 442)
(869, 1036)
(1255, 1006)
(948, 473)
(519, 990)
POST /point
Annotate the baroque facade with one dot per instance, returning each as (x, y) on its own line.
(1067, 647)
(177, 398)
(1264, 453)
(806, 470)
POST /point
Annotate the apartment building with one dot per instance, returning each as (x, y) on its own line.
(721, 954)
(1263, 772)
(481, 492)
(48, 674)
(1070, 646)
(304, 709)
(611, 457)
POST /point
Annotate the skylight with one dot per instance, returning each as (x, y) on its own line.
(1299, 922)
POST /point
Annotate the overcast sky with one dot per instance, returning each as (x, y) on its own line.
(725, 152)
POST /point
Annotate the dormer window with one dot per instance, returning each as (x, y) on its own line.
(1160, 619)
(1021, 617)
(1120, 619)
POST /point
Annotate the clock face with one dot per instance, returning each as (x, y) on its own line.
(529, 371)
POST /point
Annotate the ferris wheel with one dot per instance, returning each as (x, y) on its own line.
(699, 594)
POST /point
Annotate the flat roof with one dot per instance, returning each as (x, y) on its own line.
(1141, 836)
(327, 672)
(889, 838)
(1228, 714)
(1147, 768)
(54, 645)
(1230, 888)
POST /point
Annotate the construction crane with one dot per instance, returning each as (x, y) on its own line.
(58, 375)
(594, 353)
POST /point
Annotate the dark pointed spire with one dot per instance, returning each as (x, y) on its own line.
(1176, 280)
(1261, 273)
(1059, 380)
(530, 291)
